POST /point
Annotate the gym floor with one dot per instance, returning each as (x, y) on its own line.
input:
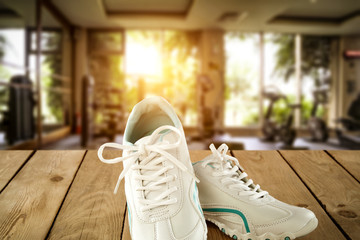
(250, 143)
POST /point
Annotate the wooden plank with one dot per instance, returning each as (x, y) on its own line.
(91, 210)
(273, 174)
(31, 201)
(349, 159)
(332, 185)
(198, 155)
(10, 162)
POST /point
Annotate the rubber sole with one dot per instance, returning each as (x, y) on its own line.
(235, 234)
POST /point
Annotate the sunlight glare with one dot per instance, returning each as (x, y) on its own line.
(143, 59)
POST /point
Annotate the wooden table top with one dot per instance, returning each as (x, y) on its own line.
(68, 194)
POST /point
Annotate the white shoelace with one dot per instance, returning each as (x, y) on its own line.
(148, 157)
(234, 175)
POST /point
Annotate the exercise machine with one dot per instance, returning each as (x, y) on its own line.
(316, 125)
(98, 105)
(18, 121)
(351, 139)
(284, 132)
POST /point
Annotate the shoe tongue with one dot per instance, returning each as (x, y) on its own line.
(165, 135)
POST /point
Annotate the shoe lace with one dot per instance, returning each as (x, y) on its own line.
(233, 174)
(148, 158)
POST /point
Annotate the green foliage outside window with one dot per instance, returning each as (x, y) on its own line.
(52, 65)
(180, 67)
(315, 64)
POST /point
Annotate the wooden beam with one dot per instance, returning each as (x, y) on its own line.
(38, 73)
(72, 82)
(298, 79)
(262, 77)
(48, 4)
(315, 20)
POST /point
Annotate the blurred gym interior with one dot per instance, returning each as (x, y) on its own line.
(257, 75)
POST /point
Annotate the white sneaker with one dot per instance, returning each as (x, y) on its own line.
(240, 208)
(160, 187)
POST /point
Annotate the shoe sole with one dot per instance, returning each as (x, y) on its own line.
(233, 233)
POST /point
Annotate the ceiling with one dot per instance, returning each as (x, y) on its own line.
(293, 16)
(23, 14)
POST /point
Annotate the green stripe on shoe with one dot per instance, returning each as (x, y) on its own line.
(227, 210)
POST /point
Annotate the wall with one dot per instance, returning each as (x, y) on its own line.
(351, 73)
(212, 60)
(347, 85)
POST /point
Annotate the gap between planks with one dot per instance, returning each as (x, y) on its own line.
(66, 194)
(91, 210)
(269, 169)
(312, 173)
(19, 167)
(31, 200)
(347, 161)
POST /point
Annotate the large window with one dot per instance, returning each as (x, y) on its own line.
(243, 75)
(12, 55)
(279, 72)
(163, 63)
(242, 79)
(55, 108)
(316, 75)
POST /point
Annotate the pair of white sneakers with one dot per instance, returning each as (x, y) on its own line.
(163, 197)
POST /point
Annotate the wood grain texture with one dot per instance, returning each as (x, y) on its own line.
(10, 162)
(332, 185)
(31, 201)
(91, 210)
(349, 159)
(198, 155)
(273, 174)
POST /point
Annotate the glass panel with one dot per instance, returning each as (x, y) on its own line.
(50, 41)
(12, 52)
(242, 79)
(279, 71)
(316, 75)
(12, 58)
(168, 67)
(54, 108)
